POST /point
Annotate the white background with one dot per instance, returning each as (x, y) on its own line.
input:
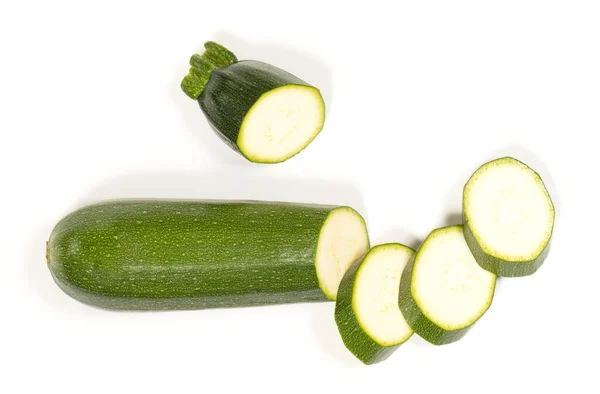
(419, 94)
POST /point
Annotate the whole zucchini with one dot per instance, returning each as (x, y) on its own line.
(263, 112)
(185, 254)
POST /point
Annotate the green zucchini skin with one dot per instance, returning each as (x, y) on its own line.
(354, 337)
(231, 91)
(508, 269)
(184, 254)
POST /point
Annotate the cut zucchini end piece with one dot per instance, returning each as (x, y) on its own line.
(281, 123)
(443, 290)
(367, 315)
(342, 240)
(509, 217)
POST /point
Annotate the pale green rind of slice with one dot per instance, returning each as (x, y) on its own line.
(282, 123)
(508, 223)
(342, 240)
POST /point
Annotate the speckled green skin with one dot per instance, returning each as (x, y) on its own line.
(178, 254)
(231, 91)
(509, 269)
(415, 318)
(356, 340)
(215, 56)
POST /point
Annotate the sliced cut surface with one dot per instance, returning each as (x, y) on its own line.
(367, 315)
(509, 217)
(443, 290)
(342, 240)
(188, 254)
(281, 123)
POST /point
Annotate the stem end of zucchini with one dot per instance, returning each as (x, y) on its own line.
(215, 56)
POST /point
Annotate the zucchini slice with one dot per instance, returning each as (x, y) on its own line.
(185, 254)
(443, 290)
(263, 112)
(509, 217)
(366, 311)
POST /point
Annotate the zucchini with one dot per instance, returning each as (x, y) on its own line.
(263, 112)
(366, 311)
(443, 290)
(185, 254)
(509, 217)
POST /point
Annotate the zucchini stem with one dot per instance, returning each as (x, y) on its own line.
(215, 56)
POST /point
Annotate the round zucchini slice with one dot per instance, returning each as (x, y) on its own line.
(443, 290)
(509, 217)
(367, 313)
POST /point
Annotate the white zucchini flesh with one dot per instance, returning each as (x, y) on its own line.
(375, 297)
(282, 123)
(448, 285)
(343, 239)
(509, 210)
(367, 314)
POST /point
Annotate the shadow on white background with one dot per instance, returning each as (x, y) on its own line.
(226, 185)
(538, 164)
(397, 234)
(327, 334)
